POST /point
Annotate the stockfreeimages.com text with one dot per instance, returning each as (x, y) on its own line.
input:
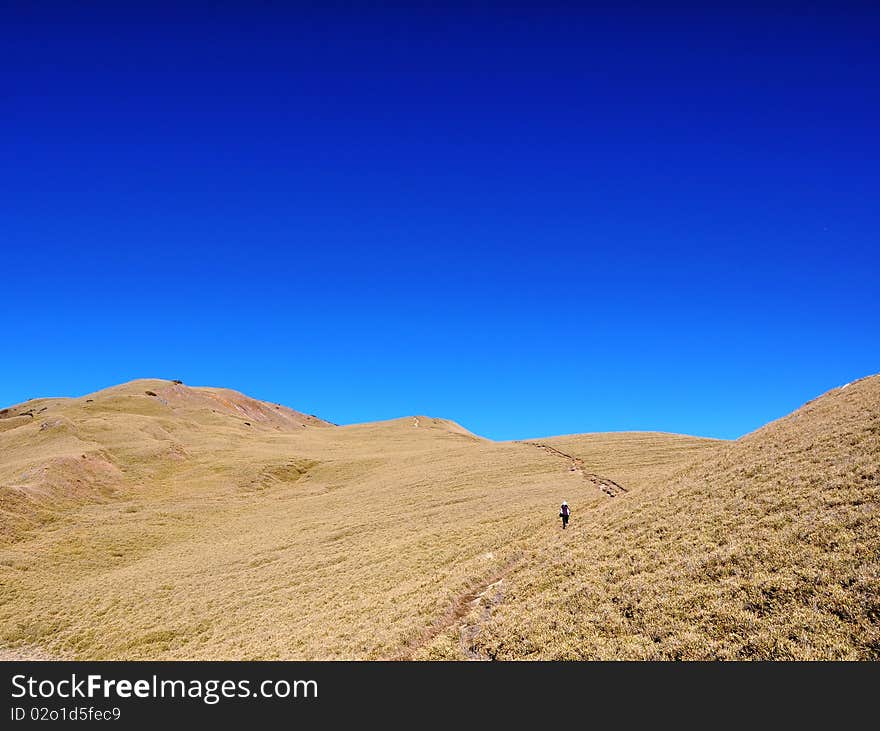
(209, 691)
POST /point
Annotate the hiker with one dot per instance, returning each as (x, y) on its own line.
(564, 513)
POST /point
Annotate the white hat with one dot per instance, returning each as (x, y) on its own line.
(564, 503)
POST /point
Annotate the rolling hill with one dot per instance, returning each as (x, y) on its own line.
(765, 548)
(155, 520)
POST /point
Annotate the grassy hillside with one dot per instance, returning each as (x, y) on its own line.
(768, 547)
(155, 520)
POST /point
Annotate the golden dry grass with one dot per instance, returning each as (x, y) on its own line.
(199, 524)
(766, 548)
(141, 529)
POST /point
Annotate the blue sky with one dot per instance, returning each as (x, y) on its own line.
(531, 221)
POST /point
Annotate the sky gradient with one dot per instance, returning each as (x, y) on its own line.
(530, 221)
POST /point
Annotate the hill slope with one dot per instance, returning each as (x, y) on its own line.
(198, 523)
(62, 453)
(768, 547)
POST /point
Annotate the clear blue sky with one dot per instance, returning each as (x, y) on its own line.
(531, 221)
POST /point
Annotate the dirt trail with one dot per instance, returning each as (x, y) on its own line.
(606, 485)
(462, 607)
(488, 594)
(468, 631)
